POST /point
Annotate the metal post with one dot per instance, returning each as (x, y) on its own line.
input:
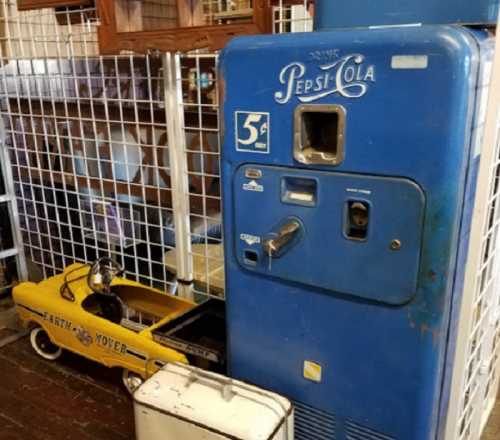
(178, 172)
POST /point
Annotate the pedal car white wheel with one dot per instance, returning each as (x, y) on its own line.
(131, 380)
(42, 344)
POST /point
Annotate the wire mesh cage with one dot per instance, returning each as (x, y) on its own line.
(88, 145)
(479, 386)
(197, 78)
(47, 33)
(88, 137)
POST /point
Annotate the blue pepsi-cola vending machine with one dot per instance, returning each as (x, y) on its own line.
(349, 170)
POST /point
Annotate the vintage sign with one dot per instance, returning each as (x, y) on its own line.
(348, 76)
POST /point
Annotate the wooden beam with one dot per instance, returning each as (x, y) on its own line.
(26, 5)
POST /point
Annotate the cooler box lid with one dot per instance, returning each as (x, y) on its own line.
(333, 14)
(215, 402)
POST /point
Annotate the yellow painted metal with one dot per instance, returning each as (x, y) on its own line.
(73, 328)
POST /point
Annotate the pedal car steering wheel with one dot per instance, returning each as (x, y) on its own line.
(101, 274)
(99, 280)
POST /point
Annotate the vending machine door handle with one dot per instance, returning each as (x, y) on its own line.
(276, 242)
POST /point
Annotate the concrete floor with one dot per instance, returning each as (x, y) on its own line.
(73, 398)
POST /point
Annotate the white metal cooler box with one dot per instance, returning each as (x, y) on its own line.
(183, 402)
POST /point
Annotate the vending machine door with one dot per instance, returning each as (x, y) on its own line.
(345, 224)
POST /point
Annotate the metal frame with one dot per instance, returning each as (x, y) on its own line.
(206, 256)
(178, 173)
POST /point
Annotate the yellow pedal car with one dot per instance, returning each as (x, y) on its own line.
(91, 311)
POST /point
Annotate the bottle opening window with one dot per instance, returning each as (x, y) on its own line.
(319, 134)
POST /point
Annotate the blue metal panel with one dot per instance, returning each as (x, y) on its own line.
(409, 98)
(334, 14)
(397, 208)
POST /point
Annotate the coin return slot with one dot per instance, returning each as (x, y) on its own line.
(319, 134)
(357, 220)
(251, 258)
